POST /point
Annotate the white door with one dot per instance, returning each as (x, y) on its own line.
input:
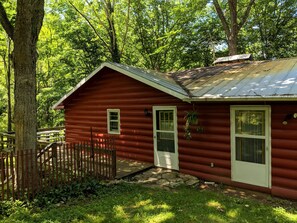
(165, 137)
(250, 145)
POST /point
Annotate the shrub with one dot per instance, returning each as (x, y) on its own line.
(9, 207)
(62, 193)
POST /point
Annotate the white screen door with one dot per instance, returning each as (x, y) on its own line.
(250, 146)
(165, 137)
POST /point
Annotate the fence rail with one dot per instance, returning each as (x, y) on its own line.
(44, 137)
(25, 173)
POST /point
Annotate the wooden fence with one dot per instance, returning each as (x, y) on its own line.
(44, 137)
(25, 173)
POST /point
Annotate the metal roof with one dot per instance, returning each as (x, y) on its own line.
(254, 81)
(149, 76)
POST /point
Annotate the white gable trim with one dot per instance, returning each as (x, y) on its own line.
(125, 72)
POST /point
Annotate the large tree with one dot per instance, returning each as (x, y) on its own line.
(233, 17)
(24, 33)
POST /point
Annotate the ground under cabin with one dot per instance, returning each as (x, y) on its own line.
(246, 111)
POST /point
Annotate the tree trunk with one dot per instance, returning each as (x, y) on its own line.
(28, 23)
(25, 78)
(29, 17)
(232, 44)
(232, 27)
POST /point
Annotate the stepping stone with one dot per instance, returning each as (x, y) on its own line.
(151, 180)
(192, 182)
(175, 184)
(163, 182)
(168, 176)
(187, 177)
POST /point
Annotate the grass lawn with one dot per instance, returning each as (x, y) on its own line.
(134, 203)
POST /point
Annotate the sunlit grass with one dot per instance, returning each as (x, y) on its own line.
(131, 203)
(233, 213)
(285, 215)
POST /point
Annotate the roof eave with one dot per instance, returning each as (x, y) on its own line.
(251, 99)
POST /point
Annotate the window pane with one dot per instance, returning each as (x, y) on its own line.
(113, 116)
(250, 150)
(165, 120)
(165, 142)
(250, 122)
(113, 126)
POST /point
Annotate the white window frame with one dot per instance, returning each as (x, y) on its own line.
(108, 121)
(265, 108)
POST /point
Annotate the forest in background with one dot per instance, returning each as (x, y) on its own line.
(162, 35)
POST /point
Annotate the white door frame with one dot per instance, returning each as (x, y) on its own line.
(157, 153)
(267, 110)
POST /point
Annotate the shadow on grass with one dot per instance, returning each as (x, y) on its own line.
(131, 203)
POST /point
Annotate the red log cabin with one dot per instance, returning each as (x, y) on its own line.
(240, 127)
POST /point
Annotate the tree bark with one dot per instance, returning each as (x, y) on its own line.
(24, 60)
(232, 44)
(27, 27)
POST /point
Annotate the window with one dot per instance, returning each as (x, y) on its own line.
(113, 121)
(250, 135)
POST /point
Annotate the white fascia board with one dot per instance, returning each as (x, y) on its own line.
(221, 99)
(147, 82)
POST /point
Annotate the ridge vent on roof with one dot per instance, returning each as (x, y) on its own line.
(234, 58)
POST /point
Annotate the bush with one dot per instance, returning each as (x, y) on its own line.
(9, 207)
(62, 193)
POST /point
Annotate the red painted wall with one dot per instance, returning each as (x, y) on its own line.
(87, 108)
(284, 151)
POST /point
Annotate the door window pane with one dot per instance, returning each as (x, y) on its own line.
(165, 142)
(250, 150)
(165, 120)
(165, 128)
(250, 122)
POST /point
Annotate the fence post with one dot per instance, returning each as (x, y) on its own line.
(2, 143)
(114, 164)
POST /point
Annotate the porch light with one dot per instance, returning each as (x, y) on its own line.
(288, 117)
(147, 112)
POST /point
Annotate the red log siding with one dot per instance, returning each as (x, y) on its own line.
(284, 151)
(87, 108)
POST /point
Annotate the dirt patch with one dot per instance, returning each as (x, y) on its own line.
(170, 179)
(248, 194)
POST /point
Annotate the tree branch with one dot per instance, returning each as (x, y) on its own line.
(233, 15)
(246, 14)
(127, 27)
(222, 17)
(37, 18)
(6, 24)
(91, 25)
(97, 16)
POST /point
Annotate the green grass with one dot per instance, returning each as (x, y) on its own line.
(132, 203)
